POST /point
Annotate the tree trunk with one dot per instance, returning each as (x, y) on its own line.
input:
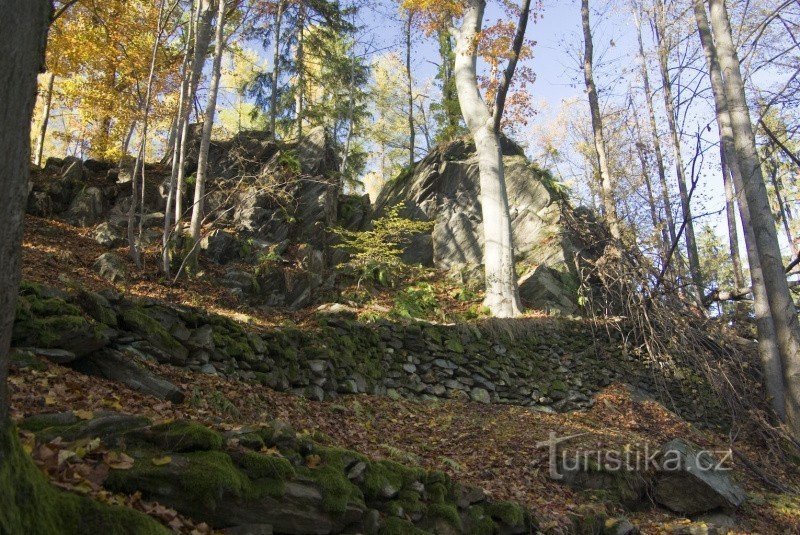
(660, 167)
(48, 101)
(203, 19)
(410, 80)
(180, 124)
(24, 27)
(606, 182)
(669, 104)
(276, 59)
(782, 211)
(502, 296)
(301, 75)
(140, 159)
(782, 307)
(730, 214)
(208, 125)
(769, 349)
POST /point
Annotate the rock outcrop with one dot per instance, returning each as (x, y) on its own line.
(298, 487)
(549, 235)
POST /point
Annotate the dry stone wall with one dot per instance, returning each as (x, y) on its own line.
(551, 365)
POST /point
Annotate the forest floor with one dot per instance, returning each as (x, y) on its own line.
(491, 446)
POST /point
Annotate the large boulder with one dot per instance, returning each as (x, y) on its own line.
(86, 208)
(445, 187)
(111, 267)
(694, 481)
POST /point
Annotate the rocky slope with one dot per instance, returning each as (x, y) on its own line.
(550, 236)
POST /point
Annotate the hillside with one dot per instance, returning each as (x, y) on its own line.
(446, 402)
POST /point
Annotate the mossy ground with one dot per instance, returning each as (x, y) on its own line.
(29, 504)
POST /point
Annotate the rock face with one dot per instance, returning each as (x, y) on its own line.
(444, 187)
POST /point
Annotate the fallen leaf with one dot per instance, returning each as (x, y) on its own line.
(83, 414)
(119, 461)
(161, 461)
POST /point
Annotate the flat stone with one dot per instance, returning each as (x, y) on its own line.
(59, 356)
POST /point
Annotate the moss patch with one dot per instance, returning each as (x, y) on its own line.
(183, 436)
(259, 466)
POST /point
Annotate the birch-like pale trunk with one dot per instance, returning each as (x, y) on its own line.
(180, 123)
(203, 25)
(48, 102)
(606, 181)
(208, 125)
(669, 104)
(502, 296)
(765, 236)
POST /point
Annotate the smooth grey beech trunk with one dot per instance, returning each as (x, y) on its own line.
(765, 236)
(24, 29)
(502, 296)
(669, 104)
(606, 181)
(767, 341)
(208, 125)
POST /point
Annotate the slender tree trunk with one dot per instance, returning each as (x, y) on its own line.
(606, 182)
(782, 212)
(203, 19)
(730, 213)
(502, 296)
(180, 123)
(669, 104)
(656, 139)
(660, 232)
(140, 160)
(412, 133)
(276, 60)
(208, 125)
(770, 343)
(48, 101)
(301, 75)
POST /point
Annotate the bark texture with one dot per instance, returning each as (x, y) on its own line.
(765, 236)
(502, 296)
(24, 27)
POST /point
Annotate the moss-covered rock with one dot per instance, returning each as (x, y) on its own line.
(137, 320)
(183, 436)
(51, 322)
